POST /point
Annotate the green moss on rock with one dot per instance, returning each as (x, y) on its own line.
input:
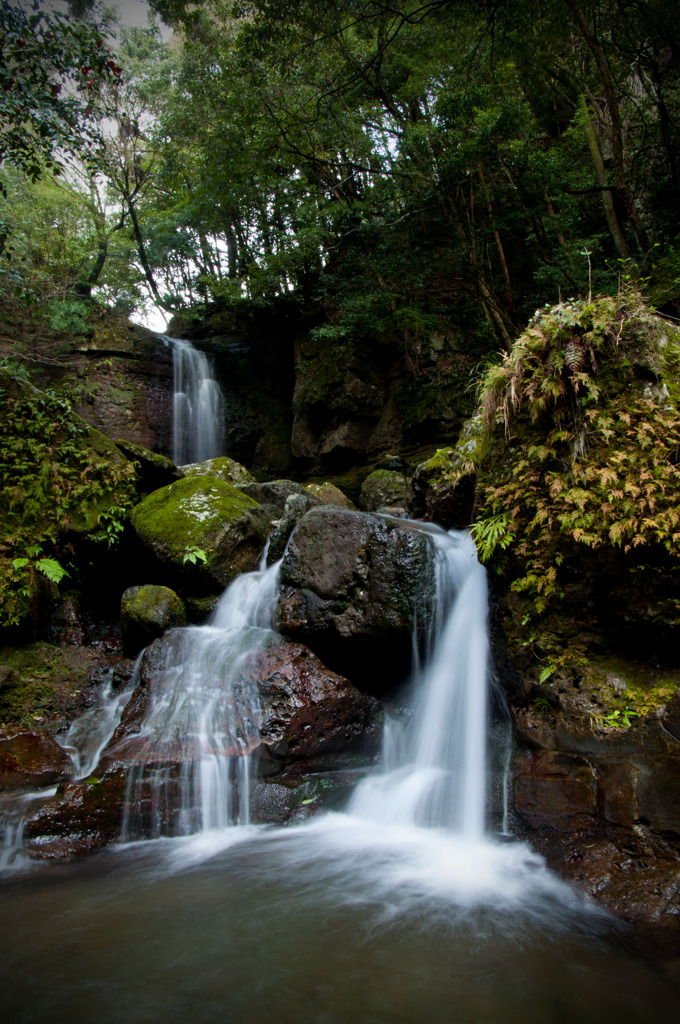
(146, 613)
(223, 468)
(207, 515)
(329, 494)
(384, 488)
(42, 687)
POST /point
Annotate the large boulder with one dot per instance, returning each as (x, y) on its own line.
(385, 490)
(354, 588)
(146, 613)
(202, 531)
(302, 712)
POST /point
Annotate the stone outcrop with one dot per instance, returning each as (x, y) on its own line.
(354, 587)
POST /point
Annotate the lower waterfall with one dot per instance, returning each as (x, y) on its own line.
(194, 761)
(399, 909)
(436, 767)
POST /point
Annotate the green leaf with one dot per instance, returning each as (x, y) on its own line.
(50, 568)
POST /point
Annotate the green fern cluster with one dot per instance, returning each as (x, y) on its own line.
(581, 449)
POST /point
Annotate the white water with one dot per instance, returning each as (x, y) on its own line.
(198, 406)
(84, 742)
(194, 767)
(90, 733)
(436, 769)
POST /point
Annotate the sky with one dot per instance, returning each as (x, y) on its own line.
(133, 13)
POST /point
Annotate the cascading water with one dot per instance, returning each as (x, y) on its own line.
(358, 916)
(84, 742)
(436, 769)
(198, 406)
(195, 751)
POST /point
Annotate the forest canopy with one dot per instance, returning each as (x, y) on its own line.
(389, 167)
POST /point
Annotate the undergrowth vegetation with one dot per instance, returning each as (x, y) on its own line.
(52, 480)
(584, 442)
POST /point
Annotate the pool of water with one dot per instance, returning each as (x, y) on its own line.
(333, 922)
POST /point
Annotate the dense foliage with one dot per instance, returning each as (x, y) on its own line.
(52, 480)
(398, 167)
(584, 442)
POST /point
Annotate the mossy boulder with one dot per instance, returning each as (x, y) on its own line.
(223, 468)
(384, 489)
(146, 613)
(329, 494)
(202, 531)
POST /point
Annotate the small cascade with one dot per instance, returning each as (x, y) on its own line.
(196, 749)
(88, 735)
(435, 766)
(198, 406)
(84, 742)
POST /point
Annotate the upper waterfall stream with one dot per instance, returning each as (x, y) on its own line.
(197, 407)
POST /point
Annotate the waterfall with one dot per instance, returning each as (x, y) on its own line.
(435, 768)
(194, 758)
(197, 408)
(196, 749)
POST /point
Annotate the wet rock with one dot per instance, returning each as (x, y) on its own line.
(309, 714)
(81, 818)
(274, 495)
(354, 587)
(201, 516)
(30, 760)
(146, 613)
(329, 494)
(556, 790)
(223, 468)
(294, 509)
(384, 489)
(628, 872)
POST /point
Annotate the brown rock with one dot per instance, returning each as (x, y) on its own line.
(30, 760)
(556, 790)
